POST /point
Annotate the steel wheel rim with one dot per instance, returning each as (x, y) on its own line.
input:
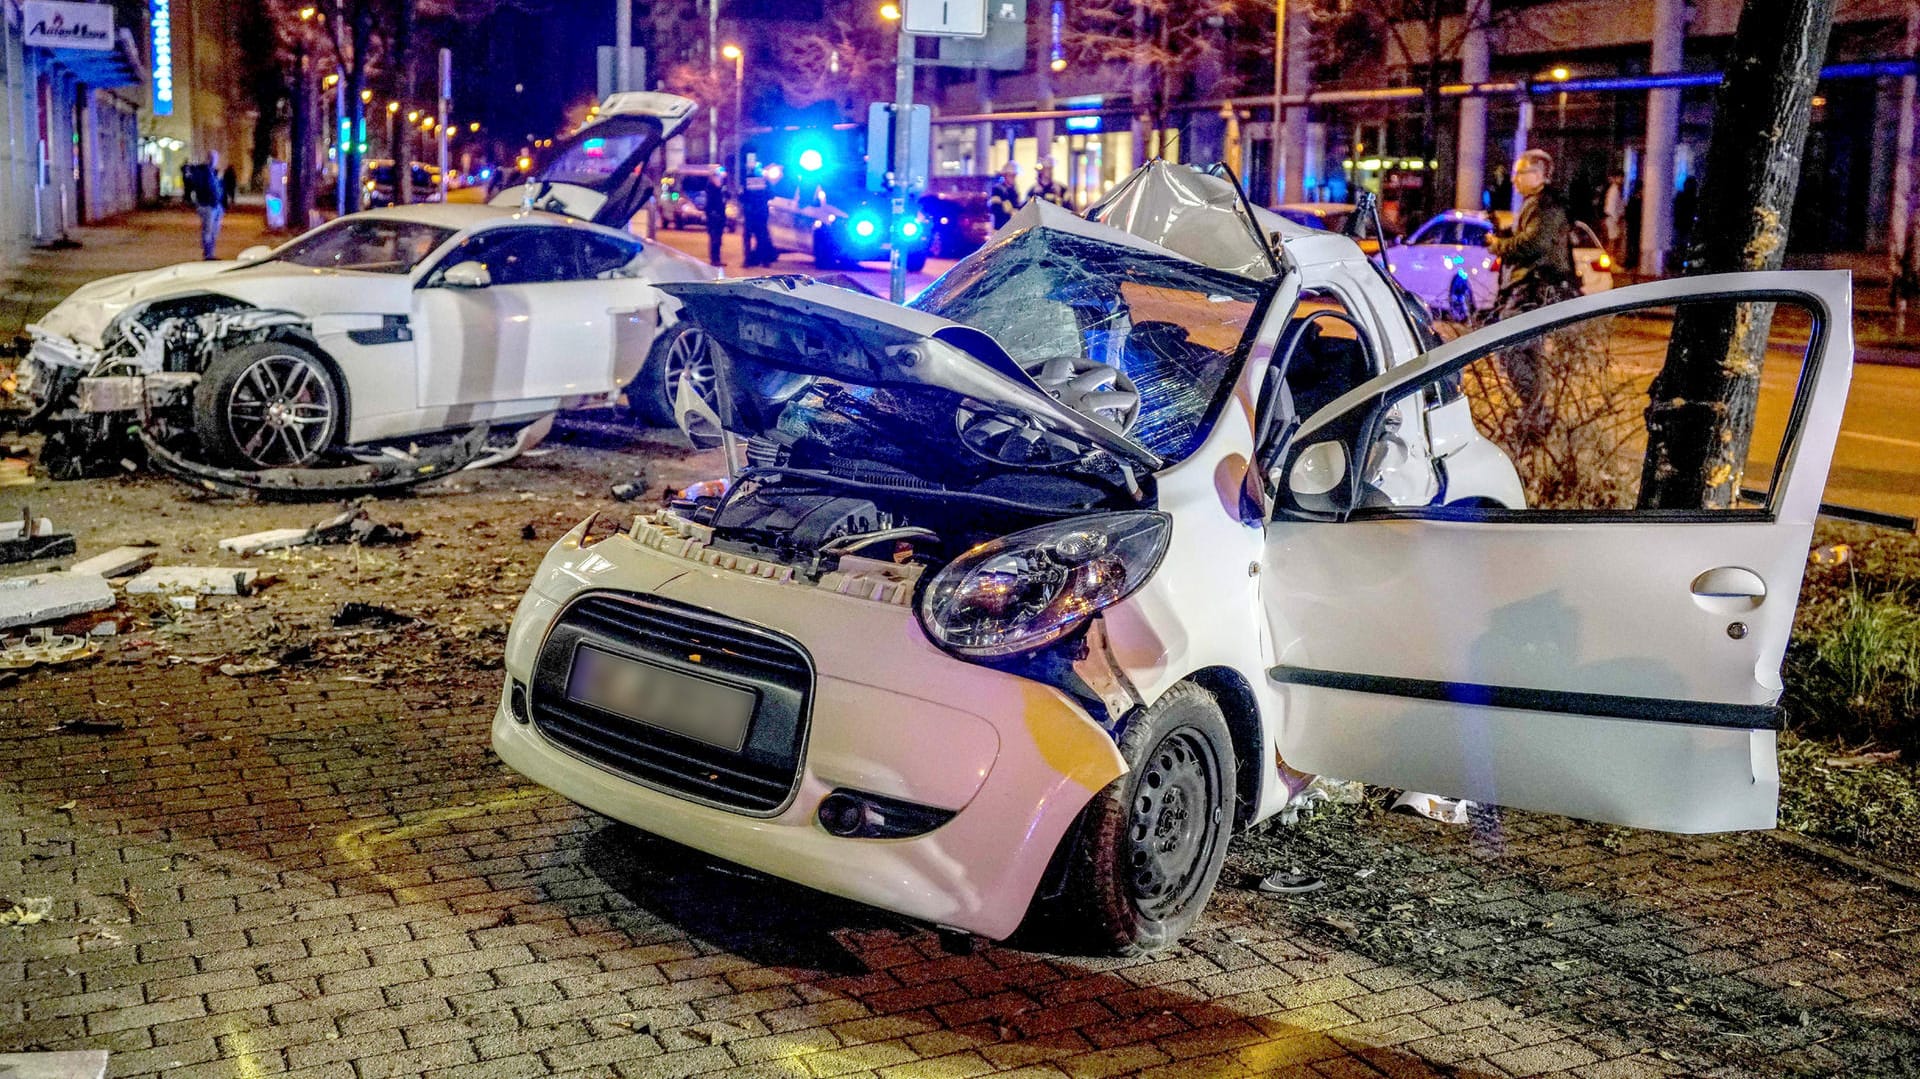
(1173, 825)
(689, 359)
(280, 412)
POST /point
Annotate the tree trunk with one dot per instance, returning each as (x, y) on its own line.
(405, 84)
(300, 163)
(350, 154)
(1700, 413)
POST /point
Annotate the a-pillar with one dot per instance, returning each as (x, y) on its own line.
(1470, 156)
(1663, 131)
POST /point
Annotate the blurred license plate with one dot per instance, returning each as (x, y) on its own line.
(694, 707)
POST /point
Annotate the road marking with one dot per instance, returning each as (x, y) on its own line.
(1888, 439)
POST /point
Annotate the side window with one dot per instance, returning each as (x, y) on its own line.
(601, 255)
(1330, 354)
(515, 256)
(1473, 234)
(1569, 409)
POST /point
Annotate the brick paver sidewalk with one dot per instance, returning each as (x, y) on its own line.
(137, 241)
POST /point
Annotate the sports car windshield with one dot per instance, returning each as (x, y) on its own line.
(371, 245)
(1173, 327)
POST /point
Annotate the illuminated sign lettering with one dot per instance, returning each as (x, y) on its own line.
(162, 26)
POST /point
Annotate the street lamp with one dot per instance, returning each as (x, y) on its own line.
(739, 58)
(890, 12)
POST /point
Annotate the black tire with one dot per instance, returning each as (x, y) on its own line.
(273, 404)
(916, 261)
(826, 253)
(1148, 848)
(650, 394)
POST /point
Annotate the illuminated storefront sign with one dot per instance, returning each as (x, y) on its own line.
(162, 57)
(50, 24)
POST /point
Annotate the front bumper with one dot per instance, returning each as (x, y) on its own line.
(1014, 760)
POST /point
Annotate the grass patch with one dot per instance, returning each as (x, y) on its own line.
(1850, 760)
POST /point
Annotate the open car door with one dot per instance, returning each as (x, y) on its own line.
(1577, 654)
(598, 173)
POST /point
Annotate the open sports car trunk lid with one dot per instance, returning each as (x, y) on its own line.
(597, 174)
(770, 330)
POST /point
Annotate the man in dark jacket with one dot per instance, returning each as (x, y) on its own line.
(715, 206)
(1045, 187)
(208, 198)
(756, 198)
(1536, 258)
(1536, 269)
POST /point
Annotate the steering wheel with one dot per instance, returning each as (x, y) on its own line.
(1094, 389)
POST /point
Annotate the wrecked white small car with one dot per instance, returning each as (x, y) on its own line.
(389, 324)
(1028, 595)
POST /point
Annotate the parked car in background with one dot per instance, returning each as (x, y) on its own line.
(1445, 262)
(1331, 216)
(959, 218)
(683, 197)
(382, 178)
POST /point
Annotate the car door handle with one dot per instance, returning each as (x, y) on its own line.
(1728, 590)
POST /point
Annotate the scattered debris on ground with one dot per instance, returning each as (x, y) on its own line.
(369, 614)
(29, 539)
(49, 597)
(199, 580)
(119, 562)
(44, 647)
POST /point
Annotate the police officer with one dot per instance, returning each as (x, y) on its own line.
(1005, 198)
(755, 194)
(1046, 187)
(716, 213)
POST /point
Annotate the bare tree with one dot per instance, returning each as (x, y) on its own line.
(1701, 407)
(1162, 44)
(1424, 37)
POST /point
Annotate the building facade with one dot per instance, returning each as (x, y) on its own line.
(197, 101)
(70, 76)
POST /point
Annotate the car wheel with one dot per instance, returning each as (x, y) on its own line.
(681, 351)
(273, 404)
(916, 261)
(1150, 846)
(1459, 300)
(826, 254)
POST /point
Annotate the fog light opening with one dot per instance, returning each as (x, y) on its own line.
(517, 702)
(853, 814)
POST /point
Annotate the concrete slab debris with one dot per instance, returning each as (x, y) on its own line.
(271, 540)
(201, 580)
(119, 562)
(48, 597)
(78, 1064)
(17, 527)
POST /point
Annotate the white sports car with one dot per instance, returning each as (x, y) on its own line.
(387, 324)
(1035, 591)
(1445, 262)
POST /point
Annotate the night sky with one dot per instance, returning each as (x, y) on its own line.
(549, 53)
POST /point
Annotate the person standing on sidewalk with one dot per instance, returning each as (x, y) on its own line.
(1613, 214)
(714, 203)
(756, 197)
(1045, 187)
(1536, 269)
(229, 187)
(1005, 197)
(204, 191)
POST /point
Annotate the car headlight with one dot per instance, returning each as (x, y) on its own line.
(1029, 589)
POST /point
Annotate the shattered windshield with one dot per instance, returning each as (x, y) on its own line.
(1073, 310)
(371, 245)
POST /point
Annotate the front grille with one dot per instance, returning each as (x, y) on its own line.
(758, 779)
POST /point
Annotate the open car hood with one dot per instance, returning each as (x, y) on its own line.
(794, 325)
(598, 173)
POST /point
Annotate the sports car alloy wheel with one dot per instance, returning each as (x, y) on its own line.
(281, 410)
(689, 358)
